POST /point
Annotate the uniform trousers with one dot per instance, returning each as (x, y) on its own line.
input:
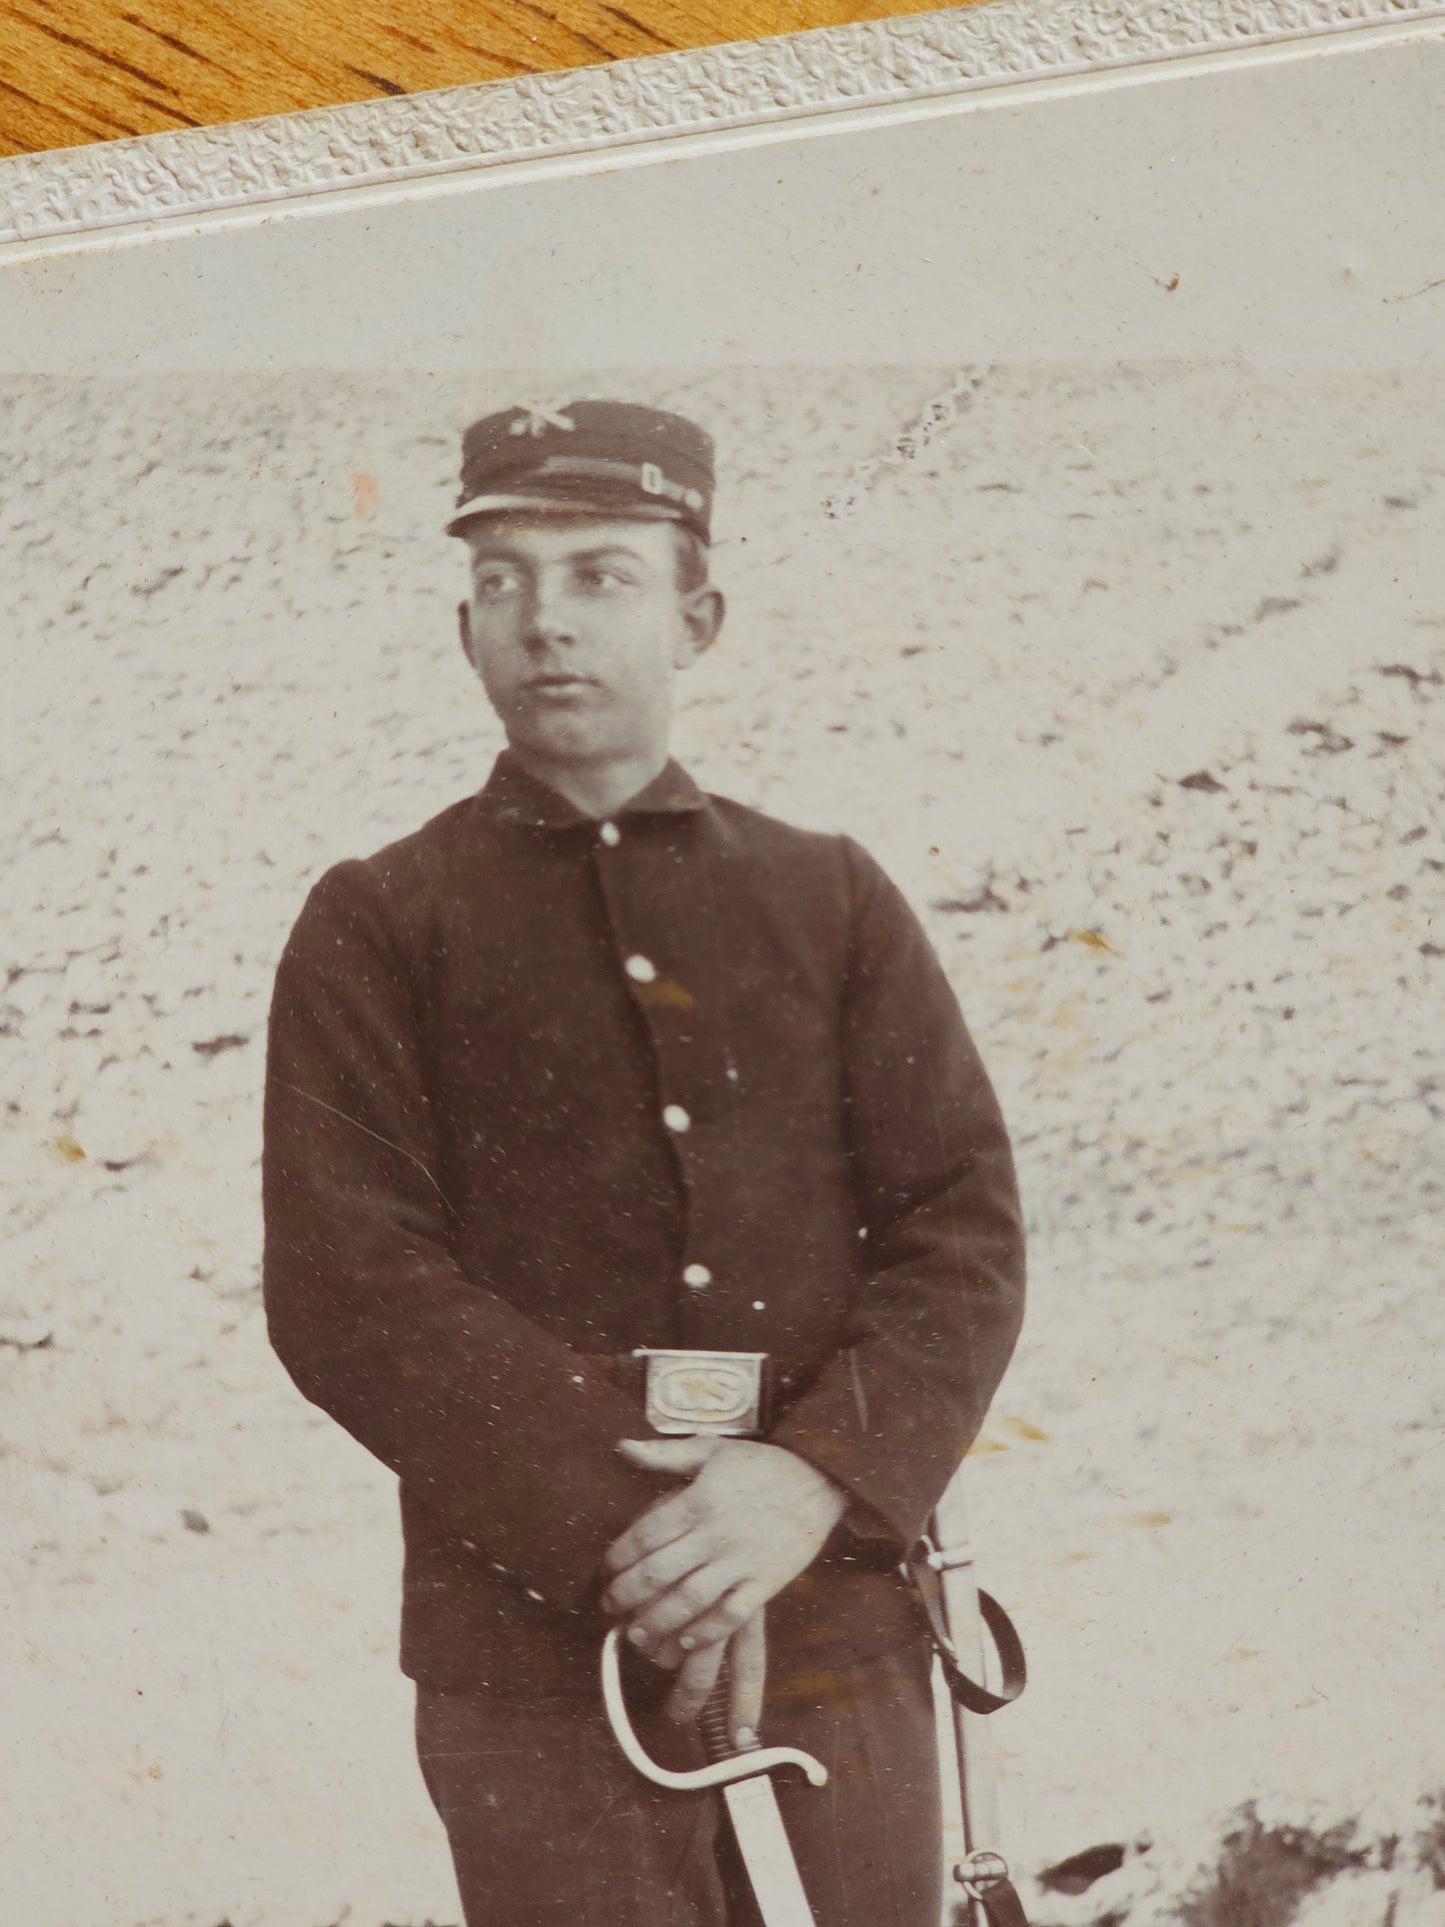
(550, 1827)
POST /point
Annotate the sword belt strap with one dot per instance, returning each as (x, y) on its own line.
(971, 1694)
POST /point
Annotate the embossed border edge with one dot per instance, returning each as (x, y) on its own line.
(202, 172)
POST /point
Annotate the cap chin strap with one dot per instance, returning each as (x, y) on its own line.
(538, 504)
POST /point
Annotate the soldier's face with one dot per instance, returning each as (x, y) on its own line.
(577, 628)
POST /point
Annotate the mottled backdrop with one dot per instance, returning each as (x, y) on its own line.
(1136, 685)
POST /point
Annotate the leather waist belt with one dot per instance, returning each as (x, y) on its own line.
(685, 1394)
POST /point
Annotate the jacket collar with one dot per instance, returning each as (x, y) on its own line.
(512, 794)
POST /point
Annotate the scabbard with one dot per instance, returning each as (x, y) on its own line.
(961, 1618)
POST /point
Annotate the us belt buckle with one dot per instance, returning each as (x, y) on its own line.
(712, 1394)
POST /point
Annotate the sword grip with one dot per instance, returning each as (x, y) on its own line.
(714, 1722)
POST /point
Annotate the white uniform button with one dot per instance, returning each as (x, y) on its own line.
(642, 970)
(676, 1118)
(610, 835)
(697, 1276)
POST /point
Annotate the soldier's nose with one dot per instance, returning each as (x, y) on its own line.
(549, 621)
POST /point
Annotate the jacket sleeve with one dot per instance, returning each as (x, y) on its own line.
(891, 1417)
(506, 1436)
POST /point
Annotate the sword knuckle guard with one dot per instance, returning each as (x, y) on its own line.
(719, 1773)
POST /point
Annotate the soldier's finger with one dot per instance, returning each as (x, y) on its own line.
(747, 1652)
(669, 1655)
(729, 1614)
(666, 1520)
(674, 1613)
(695, 1680)
(679, 1457)
(640, 1584)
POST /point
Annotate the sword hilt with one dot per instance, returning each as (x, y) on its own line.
(718, 1772)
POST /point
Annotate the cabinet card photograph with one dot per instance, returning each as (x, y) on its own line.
(723, 995)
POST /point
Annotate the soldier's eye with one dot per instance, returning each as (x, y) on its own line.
(602, 574)
(492, 584)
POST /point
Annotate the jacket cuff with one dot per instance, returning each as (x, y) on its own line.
(895, 1485)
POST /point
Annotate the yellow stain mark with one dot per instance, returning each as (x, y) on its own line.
(1068, 1015)
(1150, 1520)
(1023, 1429)
(1077, 1558)
(1092, 940)
(365, 494)
(1315, 482)
(982, 1447)
(1242, 1652)
(824, 1683)
(155, 1772)
(67, 1149)
(664, 994)
(1237, 1230)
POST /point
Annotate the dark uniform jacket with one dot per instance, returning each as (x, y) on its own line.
(528, 1076)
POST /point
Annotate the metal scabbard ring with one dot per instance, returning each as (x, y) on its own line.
(758, 1759)
(984, 1877)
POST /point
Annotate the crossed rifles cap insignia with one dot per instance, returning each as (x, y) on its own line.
(534, 419)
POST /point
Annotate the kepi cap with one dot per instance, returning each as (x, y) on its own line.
(589, 457)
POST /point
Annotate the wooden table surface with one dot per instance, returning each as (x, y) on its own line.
(73, 71)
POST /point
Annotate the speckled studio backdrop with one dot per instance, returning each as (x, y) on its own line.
(1136, 685)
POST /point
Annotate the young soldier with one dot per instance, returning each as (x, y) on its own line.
(595, 1062)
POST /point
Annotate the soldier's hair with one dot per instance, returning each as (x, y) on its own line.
(692, 560)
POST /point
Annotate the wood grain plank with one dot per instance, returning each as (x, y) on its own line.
(73, 71)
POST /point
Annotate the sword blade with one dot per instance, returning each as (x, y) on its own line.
(753, 1808)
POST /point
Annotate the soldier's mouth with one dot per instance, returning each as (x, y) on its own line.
(560, 682)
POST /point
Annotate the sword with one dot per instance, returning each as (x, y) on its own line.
(720, 1394)
(747, 1790)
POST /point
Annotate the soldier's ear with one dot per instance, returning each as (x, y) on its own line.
(702, 618)
(464, 630)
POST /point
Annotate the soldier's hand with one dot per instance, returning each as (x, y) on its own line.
(700, 1562)
(747, 1659)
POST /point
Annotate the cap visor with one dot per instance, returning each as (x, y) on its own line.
(613, 511)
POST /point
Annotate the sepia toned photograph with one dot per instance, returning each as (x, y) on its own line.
(709, 1053)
